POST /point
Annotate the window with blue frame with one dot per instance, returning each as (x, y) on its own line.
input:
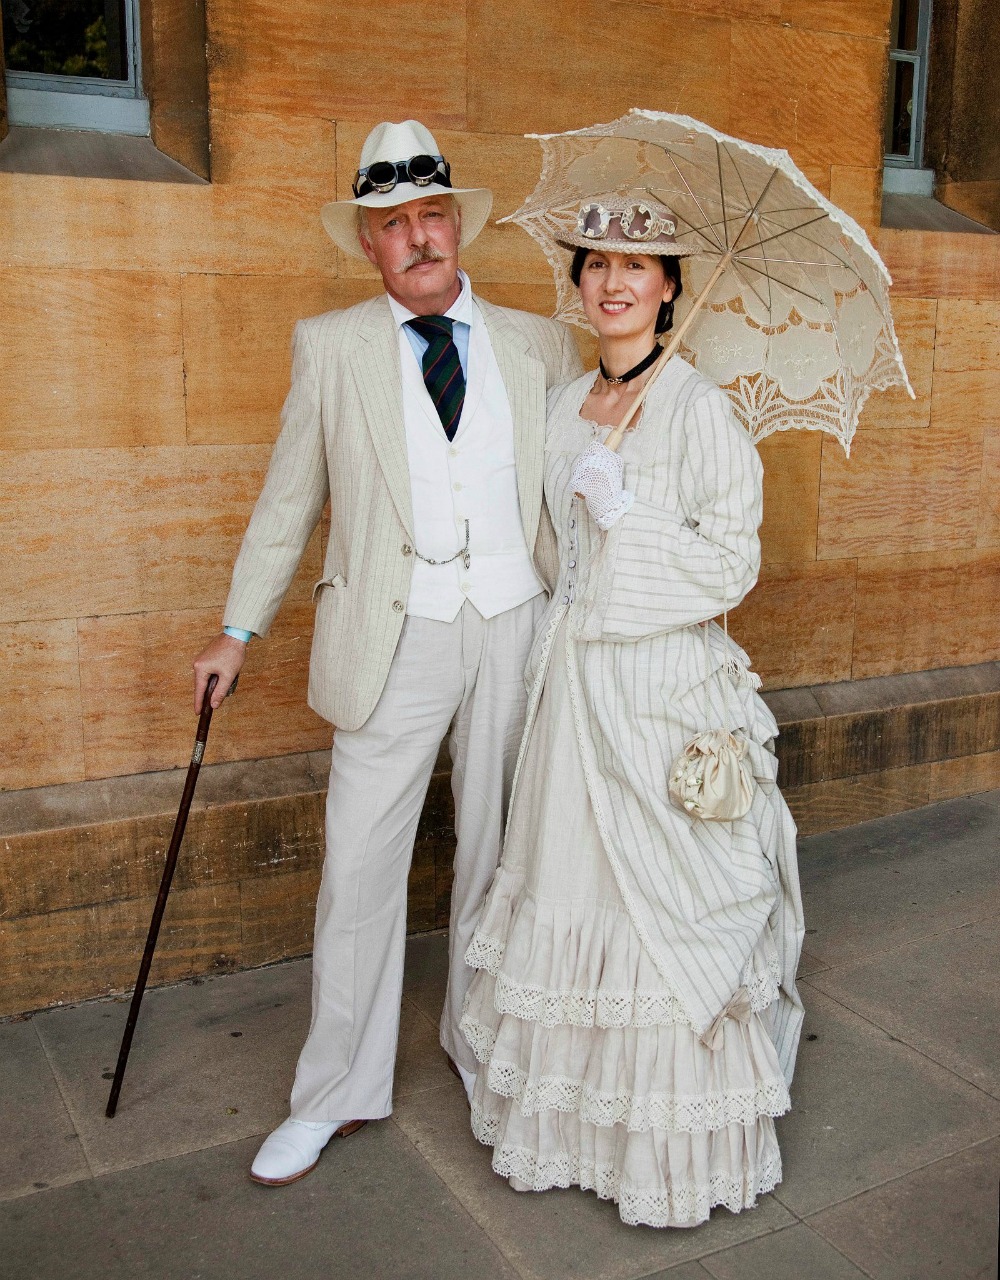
(74, 64)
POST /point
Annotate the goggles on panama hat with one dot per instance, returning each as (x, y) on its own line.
(400, 163)
(626, 222)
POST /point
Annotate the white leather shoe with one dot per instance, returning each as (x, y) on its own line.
(293, 1150)
(468, 1078)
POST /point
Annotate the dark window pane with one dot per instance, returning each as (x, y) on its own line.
(905, 19)
(66, 37)
(899, 116)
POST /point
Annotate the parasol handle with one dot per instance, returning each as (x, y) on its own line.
(614, 440)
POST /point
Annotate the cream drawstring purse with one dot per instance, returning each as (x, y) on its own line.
(711, 777)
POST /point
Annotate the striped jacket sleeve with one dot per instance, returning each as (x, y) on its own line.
(667, 563)
(290, 504)
(571, 366)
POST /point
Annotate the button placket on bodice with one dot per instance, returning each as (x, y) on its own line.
(575, 529)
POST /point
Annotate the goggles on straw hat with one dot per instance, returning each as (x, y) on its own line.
(383, 175)
(629, 223)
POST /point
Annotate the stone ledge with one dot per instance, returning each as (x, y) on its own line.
(82, 861)
(858, 727)
(75, 154)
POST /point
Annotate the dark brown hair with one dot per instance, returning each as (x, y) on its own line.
(671, 271)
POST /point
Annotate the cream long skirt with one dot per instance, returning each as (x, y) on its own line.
(590, 1074)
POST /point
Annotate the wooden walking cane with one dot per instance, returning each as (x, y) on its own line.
(201, 737)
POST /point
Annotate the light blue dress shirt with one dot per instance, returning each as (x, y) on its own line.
(459, 312)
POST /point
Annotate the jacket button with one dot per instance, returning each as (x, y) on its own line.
(398, 606)
(407, 549)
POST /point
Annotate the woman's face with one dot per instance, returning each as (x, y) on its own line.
(622, 292)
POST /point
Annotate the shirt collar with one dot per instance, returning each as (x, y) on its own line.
(460, 310)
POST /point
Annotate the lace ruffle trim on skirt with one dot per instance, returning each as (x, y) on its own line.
(638, 1112)
(584, 968)
(675, 1203)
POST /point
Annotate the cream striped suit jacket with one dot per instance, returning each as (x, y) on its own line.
(343, 438)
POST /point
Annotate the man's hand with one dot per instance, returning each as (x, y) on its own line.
(224, 658)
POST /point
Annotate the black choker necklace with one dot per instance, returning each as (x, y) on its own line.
(636, 369)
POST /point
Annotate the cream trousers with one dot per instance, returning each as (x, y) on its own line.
(466, 674)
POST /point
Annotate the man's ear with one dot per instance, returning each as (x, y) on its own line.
(367, 247)
(364, 230)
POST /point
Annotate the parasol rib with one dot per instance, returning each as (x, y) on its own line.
(755, 207)
(791, 231)
(792, 208)
(780, 262)
(846, 263)
(783, 283)
(722, 193)
(739, 175)
(697, 202)
(766, 303)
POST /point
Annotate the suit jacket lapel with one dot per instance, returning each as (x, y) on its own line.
(375, 365)
(524, 378)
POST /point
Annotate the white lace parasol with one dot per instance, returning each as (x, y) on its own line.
(796, 327)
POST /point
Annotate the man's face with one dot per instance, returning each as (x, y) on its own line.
(415, 247)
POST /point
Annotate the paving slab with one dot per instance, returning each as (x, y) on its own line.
(808, 963)
(793, 1254)
(420, 1061)
(558, 1234)
(372, 1208)
(686, 1271)
(426, 973)
(941, 995)
(212, 1061)
(39, 1148)
(872, 887)
(64, 1234)
(866, 1109)
(938, 1221)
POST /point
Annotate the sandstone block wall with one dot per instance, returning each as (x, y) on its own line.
(144, 355)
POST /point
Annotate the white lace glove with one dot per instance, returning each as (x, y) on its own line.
(597, 477)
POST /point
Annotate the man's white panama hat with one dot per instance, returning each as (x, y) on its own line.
(396, 145)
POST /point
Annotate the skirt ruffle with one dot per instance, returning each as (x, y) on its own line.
(581, 962)
(730, 1166)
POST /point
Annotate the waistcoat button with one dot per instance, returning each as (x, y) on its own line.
(407, 549)
(398, 606)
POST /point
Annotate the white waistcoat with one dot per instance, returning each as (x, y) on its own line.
(474, 478)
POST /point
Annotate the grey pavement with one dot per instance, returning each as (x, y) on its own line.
(891, 1151)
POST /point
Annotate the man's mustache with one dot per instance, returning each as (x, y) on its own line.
(426, 254)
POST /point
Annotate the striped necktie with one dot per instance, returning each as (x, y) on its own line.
(442, 368)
